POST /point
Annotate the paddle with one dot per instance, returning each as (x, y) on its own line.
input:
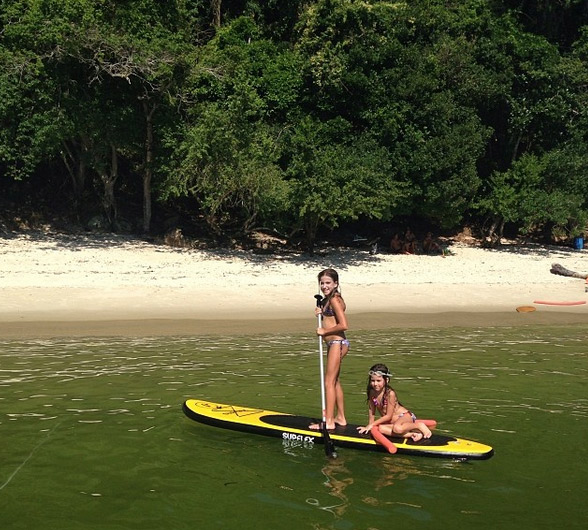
(329, 445)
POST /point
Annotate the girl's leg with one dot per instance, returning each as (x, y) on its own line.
(410, 429)
(331, 377)
(339, 404)
(333, 389)
(386, 428)
(339, 411)
(424, 429)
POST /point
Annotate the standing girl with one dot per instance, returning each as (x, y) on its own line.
(334, 325)
(395, 419)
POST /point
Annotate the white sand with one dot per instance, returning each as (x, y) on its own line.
(48, 278)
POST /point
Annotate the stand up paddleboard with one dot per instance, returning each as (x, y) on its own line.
(295, 428)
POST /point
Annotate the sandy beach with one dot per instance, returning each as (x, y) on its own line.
(54, 284)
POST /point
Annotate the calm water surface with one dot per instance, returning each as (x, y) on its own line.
(92, 434)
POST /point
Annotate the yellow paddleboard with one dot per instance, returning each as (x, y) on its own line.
(290, 427)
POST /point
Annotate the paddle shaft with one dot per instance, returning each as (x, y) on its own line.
(329, 445)
(322, 370)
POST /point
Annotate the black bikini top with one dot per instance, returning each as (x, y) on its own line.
(328, 311)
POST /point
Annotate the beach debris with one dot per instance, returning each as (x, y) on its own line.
(560, 270)
(526, 309)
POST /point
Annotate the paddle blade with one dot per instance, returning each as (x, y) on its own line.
(329, 444)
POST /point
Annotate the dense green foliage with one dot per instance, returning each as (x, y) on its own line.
(298, 115)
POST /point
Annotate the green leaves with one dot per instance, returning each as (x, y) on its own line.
(230, 170)
(302, 115)
(536, 192)
(337, 175)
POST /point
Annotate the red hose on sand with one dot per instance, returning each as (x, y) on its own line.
(579, 302)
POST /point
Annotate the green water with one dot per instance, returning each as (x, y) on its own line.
(92, 434)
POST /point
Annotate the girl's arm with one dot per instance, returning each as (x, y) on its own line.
(387, 418)
(371, 416)
(371, 413)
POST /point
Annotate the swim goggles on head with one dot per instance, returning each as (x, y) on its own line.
(378, 373)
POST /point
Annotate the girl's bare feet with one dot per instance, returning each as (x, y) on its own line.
(425, 430)
(414, 436)
(319, 426)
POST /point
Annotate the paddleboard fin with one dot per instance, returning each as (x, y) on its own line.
(329, 444)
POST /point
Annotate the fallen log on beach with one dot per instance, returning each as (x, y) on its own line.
(560, 270)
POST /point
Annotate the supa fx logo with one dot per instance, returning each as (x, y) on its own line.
(293, 437)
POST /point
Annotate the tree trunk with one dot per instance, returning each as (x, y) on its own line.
(148, 172)
(108, 180)
(494, 234)
(311, 229)
(75, 162)
(215, 6)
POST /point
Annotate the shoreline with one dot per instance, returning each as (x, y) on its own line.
(60, 285)
(362, 322)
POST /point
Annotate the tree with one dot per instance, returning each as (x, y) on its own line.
(227, 153)
(106, 68)
(279, 113)
(32, 121)
(542, 184)
(392, 72)
(141, 61)
(559, 21)
(337, 176)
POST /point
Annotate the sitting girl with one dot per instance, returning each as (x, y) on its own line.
(395, 420)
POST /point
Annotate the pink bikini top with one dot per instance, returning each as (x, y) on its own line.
(383, 405)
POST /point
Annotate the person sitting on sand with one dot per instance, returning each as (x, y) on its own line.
(396, 244)
(430, 246)
(395, 418)
(410, 243)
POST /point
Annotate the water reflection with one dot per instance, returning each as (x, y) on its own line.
(337, 478)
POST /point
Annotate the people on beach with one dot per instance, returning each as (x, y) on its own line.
(395, 419)
(332, 331)
(396, 244)
(430, 246)
(410, 242)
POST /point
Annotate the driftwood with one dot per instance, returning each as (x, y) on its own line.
(556, 268)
